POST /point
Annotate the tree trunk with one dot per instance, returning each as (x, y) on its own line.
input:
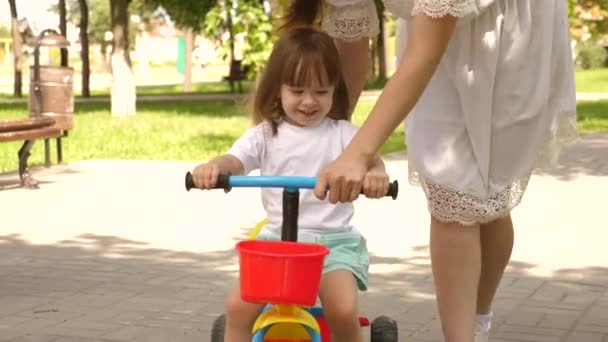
(17, 51)
(382, 50)
(372, 58)
(188, 67)
(123, 84)
(400, 39)
(84, 47)
(63, 28)
(230, 40)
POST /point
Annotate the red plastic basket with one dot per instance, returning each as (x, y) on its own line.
(280, 272)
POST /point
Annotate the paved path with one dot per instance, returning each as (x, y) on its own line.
(119, 251)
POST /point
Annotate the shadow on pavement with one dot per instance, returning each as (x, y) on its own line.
(95, 288)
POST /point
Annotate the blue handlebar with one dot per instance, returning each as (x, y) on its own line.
(286, 182)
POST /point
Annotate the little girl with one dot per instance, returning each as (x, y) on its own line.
(301, 109)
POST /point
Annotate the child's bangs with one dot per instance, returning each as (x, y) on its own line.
(307, 69)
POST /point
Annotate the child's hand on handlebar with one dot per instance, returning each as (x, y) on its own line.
(375, 183)
(205, 176)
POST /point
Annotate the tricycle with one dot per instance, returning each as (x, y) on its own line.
(285, 275)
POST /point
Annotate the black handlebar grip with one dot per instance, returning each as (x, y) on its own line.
(189, 181)
(393, 190)
(222, 182)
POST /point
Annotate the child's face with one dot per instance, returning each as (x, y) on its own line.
(306, 106)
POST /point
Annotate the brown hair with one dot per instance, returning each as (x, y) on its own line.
(301, 55)
(300, 13)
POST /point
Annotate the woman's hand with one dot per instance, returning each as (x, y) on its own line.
(343, 178)
(376, 182)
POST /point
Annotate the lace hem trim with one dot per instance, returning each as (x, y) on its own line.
(449, 205)
(441, 8)
(351, 22)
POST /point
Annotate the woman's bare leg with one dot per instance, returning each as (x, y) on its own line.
(456, 264)
(496, 246)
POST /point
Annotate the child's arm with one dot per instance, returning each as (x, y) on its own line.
(205, 175)
(243, 157)
(376, 181)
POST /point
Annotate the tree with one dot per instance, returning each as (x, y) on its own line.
(64, 30)
(588, 19)
(380, 47)
(17, 51)
(188, 15)
(185, 13)
(123, 84)
(249, 18)
(84, 47)
(98, 20)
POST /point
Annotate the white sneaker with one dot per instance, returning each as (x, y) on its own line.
(481, 336)
(482, 328)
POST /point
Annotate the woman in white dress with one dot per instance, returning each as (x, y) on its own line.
(487, 87)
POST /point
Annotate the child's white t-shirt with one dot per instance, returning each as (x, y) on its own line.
(297, 151)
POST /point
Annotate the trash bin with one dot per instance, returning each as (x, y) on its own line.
(52, 89)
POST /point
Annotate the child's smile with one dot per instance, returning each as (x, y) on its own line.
(306, 106)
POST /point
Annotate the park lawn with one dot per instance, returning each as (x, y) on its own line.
(587, 81)
(188, 130)
(592, 116)
(198, 87)
(592, 81)
(172, 130)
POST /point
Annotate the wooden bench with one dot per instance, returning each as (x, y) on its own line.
(28, 130)
(237, 74)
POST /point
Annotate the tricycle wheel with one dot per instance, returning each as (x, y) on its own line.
(218, 328)
(384, 329)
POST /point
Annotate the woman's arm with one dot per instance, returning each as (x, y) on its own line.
(427, 41)
(426, 44)
(354, 57)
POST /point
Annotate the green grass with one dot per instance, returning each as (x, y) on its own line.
(201, 87)
(188, 130)
(396, 142)
(180, 130)
(592, 81)
(592, 116)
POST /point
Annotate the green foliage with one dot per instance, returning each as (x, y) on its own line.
(99, 17)
(376, 83)
(5, 31)
(591, 55)
(248, 19)
(588, 19)
(185, 13)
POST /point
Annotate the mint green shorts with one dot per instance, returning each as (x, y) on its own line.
(347, 251)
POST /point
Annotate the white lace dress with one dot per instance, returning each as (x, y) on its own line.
(501, 103)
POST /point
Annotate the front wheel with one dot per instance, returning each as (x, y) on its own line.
(218, 329)
(384, 329)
